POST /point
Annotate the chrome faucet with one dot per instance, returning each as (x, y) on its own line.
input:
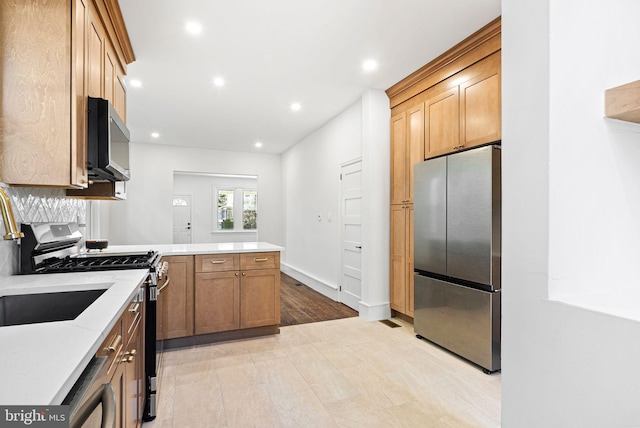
(10, 225)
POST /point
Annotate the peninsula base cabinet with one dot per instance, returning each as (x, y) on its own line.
(228, 298)
(175, 302)
(214, 293)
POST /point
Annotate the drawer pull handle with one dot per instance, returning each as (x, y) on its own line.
(164, 269)
(264, 259)
(134, 307)
(115, 344)
(164, 286)
(217, 262)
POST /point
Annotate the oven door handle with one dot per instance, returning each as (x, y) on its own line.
(104, 395)
(164, 285)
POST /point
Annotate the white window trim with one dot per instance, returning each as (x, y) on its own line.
(237, 209)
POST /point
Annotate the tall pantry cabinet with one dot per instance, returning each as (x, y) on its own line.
(55, 53)
(452, 103)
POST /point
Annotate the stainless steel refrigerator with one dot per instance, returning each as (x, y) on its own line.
(457, 203)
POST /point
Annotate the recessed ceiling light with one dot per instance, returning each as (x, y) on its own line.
(370, 65)
(155, 135)
(258, 144)
(218, 81)
(193, 28)
(296, 106)
(135, 83)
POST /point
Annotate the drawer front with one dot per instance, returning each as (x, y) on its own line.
(217, 262)
(249, 261)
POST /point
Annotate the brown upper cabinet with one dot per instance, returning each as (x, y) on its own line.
(52, 55)
(464, 110)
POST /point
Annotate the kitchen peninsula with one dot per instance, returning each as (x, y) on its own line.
(217, 291)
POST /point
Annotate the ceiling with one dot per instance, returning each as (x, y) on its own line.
(272, 54)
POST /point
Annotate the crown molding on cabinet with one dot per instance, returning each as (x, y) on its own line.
(118, 29)
(477, 46)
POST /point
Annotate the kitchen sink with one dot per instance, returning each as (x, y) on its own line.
(45, 307)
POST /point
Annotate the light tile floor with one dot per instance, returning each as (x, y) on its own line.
(341, 373)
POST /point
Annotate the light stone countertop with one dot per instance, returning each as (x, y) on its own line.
(192, 249)
(39, 363)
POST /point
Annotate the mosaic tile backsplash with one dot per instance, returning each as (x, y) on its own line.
(32, 205)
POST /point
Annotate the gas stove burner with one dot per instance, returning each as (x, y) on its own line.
(97, 262)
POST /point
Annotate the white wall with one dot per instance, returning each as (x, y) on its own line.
(570, 180)
(201, 188)
(312, 187)
(146, 216)
(311, 177)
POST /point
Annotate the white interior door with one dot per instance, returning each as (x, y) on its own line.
(182, 219)
(351, 223)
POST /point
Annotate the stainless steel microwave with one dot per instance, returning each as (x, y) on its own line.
(107, 142)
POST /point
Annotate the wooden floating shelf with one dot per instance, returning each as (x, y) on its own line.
(623, 102)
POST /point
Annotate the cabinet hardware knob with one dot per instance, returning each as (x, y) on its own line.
(237, 274)
(243, 274)
(129, 357)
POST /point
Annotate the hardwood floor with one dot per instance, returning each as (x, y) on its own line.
(300, 304)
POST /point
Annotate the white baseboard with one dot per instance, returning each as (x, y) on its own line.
(331, 291)
(377, 312)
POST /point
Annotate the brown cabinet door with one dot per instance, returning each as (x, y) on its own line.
(398, 158)
(409, 258)
(109, 74)
(177, 298)
(217, 303)
(118, 382)
(442, 128)
(398, 267)
(133, 362)
(415, 145)
(120, 97)
(259, 298)
(95, 57)
(480, 105)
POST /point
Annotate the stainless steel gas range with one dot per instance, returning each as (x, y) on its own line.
(56, 247)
